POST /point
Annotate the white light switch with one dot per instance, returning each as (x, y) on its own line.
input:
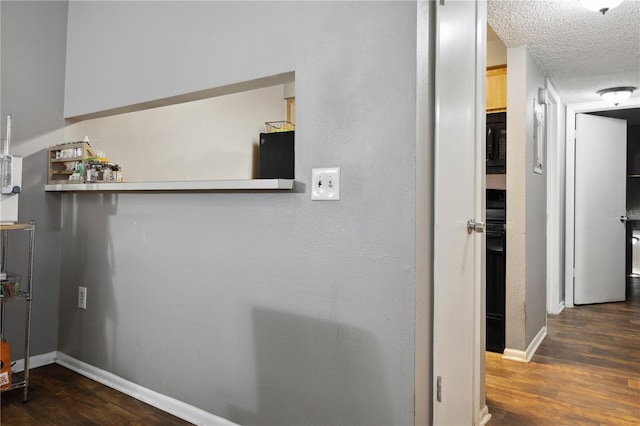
(325, 184)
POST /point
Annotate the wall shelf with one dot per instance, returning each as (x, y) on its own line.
(179, 186)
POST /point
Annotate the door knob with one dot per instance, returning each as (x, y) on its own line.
(624, 219)
(472, 225)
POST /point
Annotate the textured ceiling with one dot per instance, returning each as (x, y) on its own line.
(579, 50)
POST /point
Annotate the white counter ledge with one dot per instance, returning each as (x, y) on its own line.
(185, 186)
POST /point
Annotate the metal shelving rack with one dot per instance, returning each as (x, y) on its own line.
(19, 380)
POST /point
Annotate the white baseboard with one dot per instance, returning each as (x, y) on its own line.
(484, 416)
(557, 309)
(514, 355)
(165, 403)
(34, 361)
(525, 356)
(535, 343)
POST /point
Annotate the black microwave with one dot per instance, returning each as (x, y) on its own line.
(496, 143)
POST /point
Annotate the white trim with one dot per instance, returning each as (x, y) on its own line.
(569, 240)
(479, 299)
(35, 361)
(424, 212)
(484, 416)
(165, 403)
(572, 110)
(195, 185)
(525, 356)
(555, 185)
(514, 355)
(535, 343)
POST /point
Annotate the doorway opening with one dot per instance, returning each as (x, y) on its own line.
(631, 113)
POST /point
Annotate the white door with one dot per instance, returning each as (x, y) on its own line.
(600, 205)
(458, 197)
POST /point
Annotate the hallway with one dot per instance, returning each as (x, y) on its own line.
(586, 371)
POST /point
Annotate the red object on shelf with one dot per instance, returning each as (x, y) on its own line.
(5, 370)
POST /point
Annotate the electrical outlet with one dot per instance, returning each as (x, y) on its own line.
(325, 184)
(82, 297)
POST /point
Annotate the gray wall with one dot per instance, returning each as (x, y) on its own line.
(536, 216)
(33, 37)
(526, 208)
(259, 307)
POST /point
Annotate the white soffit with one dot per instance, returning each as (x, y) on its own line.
(579, 50)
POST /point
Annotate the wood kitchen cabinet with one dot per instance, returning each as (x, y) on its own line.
(291, 110)
(497, 89)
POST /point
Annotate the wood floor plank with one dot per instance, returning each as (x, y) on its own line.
(585, 372)
(59, 396)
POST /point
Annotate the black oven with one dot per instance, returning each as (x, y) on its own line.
(495, 269)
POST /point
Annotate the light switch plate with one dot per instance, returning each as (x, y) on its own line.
(325, 184)
(82, 297)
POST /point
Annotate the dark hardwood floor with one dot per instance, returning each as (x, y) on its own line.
(585, 372)
(59, 396)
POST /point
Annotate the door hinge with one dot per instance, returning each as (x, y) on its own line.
(574, 272)
(441, 2)
(439, 389)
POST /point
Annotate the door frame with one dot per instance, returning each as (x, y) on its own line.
(425, 103)
(572, 110)
(555, 116)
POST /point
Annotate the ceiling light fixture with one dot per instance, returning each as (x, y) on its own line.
(615, 95)
(601, 6)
